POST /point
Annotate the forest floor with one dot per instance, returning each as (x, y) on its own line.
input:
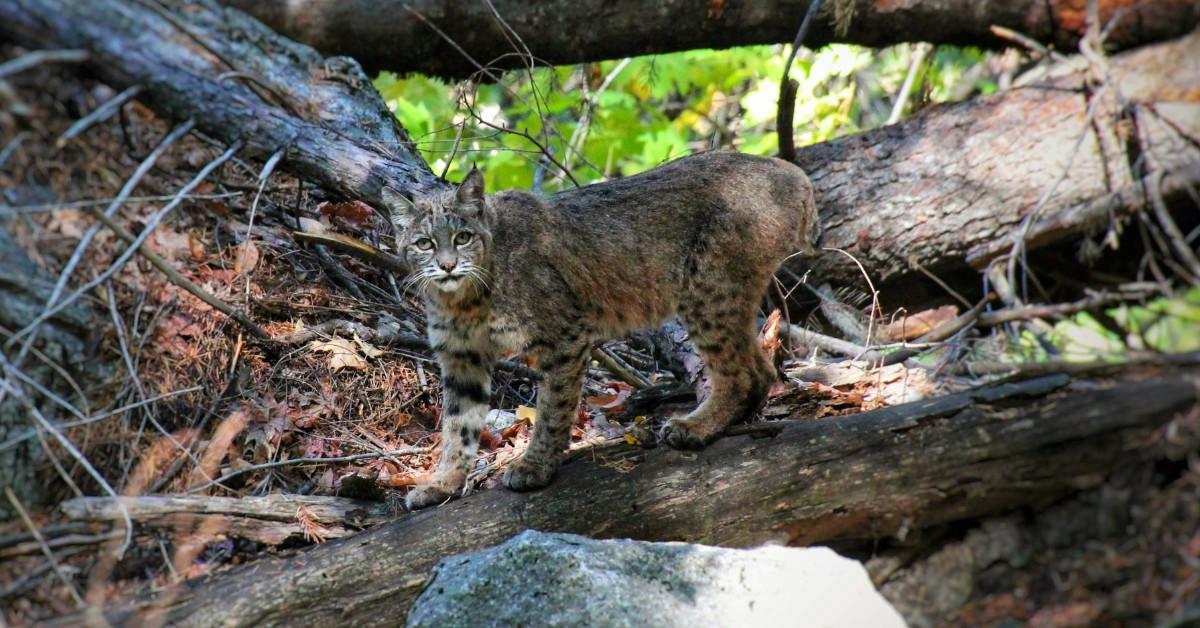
(209, 402)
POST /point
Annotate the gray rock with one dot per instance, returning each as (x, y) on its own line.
(537, 579)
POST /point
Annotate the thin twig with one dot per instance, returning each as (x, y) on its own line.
(103, 112)
(66, 443)
(27, 434)
(616, 366)
(38, 57)
(787, 89)
(15, 210)
(1026, 41)
(20, 508)
(151, 223)
(183, 282)
(407, 451)
(12, 146)
(1178, 242)
(919, 52)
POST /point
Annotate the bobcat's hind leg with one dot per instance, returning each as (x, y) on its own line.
(741, 375)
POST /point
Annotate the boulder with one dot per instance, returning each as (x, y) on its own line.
(541, 579)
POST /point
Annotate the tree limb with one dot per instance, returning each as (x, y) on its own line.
(394, 35)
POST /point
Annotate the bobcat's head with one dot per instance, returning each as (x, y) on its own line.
(445, 237)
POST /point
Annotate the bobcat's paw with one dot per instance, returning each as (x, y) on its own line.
(684, 434)
(524, 475)
(426, 495)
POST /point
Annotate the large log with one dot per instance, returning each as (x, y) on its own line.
(238, 80)
(944, 190)
(948, 188)
(400, 35)
(866, 476)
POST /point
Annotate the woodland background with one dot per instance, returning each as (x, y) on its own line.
(1010, 200)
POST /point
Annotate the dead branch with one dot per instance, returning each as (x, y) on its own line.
(270, 519)
(864, 476)
(183, 282)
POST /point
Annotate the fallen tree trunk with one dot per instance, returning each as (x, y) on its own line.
(866, 476)
(239, 81)
(400, 35)
(944, 190)
(948, 188)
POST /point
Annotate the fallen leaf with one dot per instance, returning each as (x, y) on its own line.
(614, 398)
(366, 348)
(247, 257)
(769, 337)
(356, 211)
(308, 225)
(342, 354)
(917, 325)
(527, 414)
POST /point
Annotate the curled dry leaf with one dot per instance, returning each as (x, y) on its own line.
(308, 225)
(355, 211)
(366, 348)
(613, 400)
(342, 353)
(917, 325)
(247, 257)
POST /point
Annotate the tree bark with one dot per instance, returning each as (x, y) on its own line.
(270, 519)
(948, 188)
(944, 190)
(865, 476)
(403, 36)
(60, 352)
(238, 80)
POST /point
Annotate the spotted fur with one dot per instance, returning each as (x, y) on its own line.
(699, 238)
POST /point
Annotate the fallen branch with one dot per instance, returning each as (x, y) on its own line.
(860, 477)
(270, 519)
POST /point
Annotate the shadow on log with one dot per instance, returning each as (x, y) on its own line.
(866, 476)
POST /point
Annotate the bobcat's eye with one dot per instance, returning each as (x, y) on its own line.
(463, 238)
(424, 244)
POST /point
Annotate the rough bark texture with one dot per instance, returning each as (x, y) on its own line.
(23, 293)
(271, 519)
(865, 476)
(948, 187)
(945, 189)
(238, 80)
(399, 35)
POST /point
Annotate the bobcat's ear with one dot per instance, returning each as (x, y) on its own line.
(401, 210)
(470, 192)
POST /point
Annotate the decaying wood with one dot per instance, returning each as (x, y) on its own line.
(399, 35)
(270, 519)
(239, 81)
(875, 474)
(944, 190)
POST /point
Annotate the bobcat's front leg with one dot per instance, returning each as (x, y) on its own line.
(558, 400)
(466, 388)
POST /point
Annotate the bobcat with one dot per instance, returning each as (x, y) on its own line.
(515, 271)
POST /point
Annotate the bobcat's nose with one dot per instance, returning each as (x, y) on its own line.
(447, 265)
